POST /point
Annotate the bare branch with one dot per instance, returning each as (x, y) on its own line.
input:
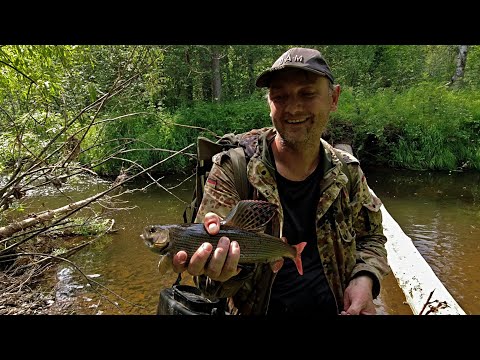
(426, 303)
(69, 209)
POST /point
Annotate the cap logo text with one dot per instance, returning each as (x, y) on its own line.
(288, 58)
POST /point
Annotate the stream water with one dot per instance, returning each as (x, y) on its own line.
(439, 211)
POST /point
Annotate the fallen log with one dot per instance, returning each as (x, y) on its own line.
(42, 217)
(69, 209)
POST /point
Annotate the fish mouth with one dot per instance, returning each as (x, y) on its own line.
(147, 240)
(151, 240)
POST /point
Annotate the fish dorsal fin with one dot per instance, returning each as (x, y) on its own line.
(250, 215)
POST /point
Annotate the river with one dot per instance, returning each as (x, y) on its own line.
(439, 211)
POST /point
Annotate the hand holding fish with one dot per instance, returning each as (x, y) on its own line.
(223, 264)
(189, 247)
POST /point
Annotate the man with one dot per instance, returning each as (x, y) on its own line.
(344, 260)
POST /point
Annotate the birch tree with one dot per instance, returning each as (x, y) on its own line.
(457, 78)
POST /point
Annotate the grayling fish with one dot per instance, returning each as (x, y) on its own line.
(243, 225)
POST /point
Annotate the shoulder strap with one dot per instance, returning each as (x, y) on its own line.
(206, 148)
(346, 170)
(239, 163)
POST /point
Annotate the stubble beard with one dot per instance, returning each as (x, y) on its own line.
(299, 142)
(294, 143)
(309, 138)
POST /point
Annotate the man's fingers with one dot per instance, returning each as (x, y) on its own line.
(179, 262)
(352, 311)
(216, 264)
(197, 263)
(230, 267)
(212, 223)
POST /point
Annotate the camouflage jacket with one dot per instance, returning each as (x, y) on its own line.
(350, 235)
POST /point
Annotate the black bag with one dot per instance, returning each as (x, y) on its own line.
(187, 300)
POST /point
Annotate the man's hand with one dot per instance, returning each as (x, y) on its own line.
(223, 264)
(358, 298)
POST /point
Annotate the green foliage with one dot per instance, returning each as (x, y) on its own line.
(123, 138)
(30, 133)
(472, 68)
(425, 127)
(146, 137)
(235, 116)
(393, 104)
(376, 66)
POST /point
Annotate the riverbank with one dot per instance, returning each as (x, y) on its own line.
(25, 294)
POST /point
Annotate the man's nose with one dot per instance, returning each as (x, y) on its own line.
(292, 104)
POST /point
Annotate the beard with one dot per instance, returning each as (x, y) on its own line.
(298, 139)
(293, 142)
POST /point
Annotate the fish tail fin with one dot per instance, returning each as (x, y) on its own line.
(298, 259)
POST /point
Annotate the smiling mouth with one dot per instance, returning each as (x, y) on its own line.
(295, 121)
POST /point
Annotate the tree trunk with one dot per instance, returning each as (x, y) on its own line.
(206, 72)
(217, 77)
(189, 79)
(461, 62)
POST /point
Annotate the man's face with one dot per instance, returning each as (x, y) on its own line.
(300, 104)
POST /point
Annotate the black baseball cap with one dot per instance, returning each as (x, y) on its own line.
(300, 58)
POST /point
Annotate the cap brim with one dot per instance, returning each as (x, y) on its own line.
(264, 79)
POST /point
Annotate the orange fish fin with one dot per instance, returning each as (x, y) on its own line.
(277, 265)
(298, 259)
(250, 215)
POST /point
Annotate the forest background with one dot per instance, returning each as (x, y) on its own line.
(126, 111)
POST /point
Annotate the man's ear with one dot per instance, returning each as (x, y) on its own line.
(335, 96)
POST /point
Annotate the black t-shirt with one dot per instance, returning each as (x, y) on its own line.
(291, 292)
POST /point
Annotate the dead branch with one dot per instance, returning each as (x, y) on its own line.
(426, 303)
(41, 217)
(151, 177)
(34, 266)
(68, 210)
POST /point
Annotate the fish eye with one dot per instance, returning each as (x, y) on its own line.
(152, 229)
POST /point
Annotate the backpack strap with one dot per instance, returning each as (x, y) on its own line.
(239, 163)
(346, 170)
(206, 148)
